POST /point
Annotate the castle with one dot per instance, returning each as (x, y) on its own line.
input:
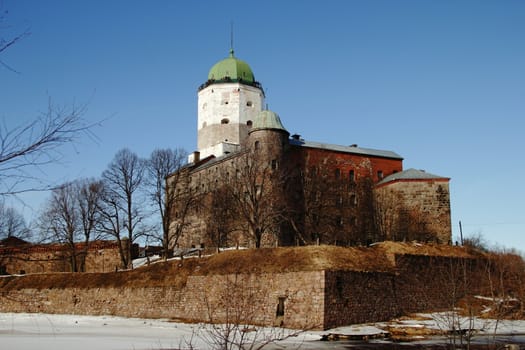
(252, 184)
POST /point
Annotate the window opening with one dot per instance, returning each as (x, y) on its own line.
(280, 307)
(351, 175)
(225, 121)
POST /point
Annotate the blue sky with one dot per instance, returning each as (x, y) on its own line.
(442, 83)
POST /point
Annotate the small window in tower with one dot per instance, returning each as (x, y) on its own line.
(337, 174)
(225, 121)
(224, 102)
(257, 145)
(249, 104)
(351, 175)
(380, 174)
(249, 124)
(274, 164)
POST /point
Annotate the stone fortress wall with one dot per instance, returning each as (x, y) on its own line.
(298, 299)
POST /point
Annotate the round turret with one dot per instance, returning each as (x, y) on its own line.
(267, 120)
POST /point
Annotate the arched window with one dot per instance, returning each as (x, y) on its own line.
(257, 145)
(249, 124)
(225, 121)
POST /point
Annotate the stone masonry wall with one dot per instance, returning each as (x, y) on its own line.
(420, 283)
(359, 297)
(102, 256)
(307, 299)
(415, 210)
(249, 299)
(433, 283)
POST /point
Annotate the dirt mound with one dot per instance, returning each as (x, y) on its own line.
(309, 258)
(268, 260)
(403, 248)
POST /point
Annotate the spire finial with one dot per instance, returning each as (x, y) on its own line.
(231, 38)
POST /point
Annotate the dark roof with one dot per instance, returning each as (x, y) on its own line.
(411, 174)
(12, 242)
(346, 149)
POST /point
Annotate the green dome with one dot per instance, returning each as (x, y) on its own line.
(267, 120)
(231, 69)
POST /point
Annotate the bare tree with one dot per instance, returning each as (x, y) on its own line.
(318, 203)
(89, 196)
(122, 180)
(256, 191)
(12, 223)
(186, 201)
(161, 164)
(7, 42)
(26, 148)
(234, 310)
(220, 222)
(329, 208)
(60, 222)
(112, 222)
(71, 218)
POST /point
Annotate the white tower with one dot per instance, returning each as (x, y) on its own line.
(228, 103)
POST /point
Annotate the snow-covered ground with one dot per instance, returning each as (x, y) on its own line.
(22, 331)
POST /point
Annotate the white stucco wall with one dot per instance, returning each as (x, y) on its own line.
(235, 102)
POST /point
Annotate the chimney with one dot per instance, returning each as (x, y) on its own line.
(196, 156)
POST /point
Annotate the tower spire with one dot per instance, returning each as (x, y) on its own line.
(231, 38)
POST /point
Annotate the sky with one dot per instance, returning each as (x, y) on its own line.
(442, 83)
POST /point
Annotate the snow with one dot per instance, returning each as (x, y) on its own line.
(23, 331)
(483, 326)
(145, 261)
